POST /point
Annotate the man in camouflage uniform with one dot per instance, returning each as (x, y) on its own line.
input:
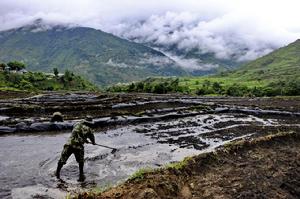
(80, 133)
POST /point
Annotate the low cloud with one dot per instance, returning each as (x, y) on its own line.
(156, 61)
(227, 36)
(230, 29)
(192, 64)
(110, 62)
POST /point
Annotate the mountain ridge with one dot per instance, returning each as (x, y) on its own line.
(101, 57)
(277, 73)
(283, 62)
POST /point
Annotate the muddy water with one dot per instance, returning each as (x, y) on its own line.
(28, 162)
(154, 130)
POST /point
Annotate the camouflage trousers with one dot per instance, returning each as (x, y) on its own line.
(68, 150)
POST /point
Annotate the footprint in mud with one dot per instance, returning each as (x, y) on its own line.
(68, 185)
(69, 175)
(47, 170)
(97, 157)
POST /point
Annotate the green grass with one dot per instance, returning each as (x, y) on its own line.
(179, 165)
(140, 174)
(193, 83)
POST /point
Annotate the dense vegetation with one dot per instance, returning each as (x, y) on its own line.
(207, 86)
(150, 85)
(211, 87)
(12, 79)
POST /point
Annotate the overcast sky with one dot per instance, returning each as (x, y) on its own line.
(244, 29)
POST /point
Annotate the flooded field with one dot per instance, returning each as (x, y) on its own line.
(148, 130)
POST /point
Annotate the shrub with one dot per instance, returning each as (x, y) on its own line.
(159, 89)
(26, 85)
(200, 91)
(217, 88)
(2, 66)
(15, 65)
(237, 90)
(55, 72)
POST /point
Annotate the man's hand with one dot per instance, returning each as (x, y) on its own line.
(88, 142)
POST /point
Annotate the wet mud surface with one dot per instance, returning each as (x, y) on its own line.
(264, 167)
(148, 130)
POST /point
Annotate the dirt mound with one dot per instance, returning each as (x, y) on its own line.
(267, 167)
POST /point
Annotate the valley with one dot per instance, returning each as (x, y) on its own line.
(195, 99)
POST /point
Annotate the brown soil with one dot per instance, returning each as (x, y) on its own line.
(14, 94)
(266, 167)
(271, 103)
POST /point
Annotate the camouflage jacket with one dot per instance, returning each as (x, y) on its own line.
(80, 134)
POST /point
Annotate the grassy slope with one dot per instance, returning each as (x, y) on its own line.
(277, 73)
(282, 64)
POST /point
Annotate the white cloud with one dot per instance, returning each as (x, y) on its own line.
(227, 36)
(156, 60)
(110, 62)
(193, 64)
(243, 30)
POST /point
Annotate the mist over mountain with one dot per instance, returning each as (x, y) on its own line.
(200, 35)
(99, 56)
(282, 65)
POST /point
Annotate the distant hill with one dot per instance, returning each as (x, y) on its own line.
(209, 62)
(277, 73)
(101, 57)
(281, 64)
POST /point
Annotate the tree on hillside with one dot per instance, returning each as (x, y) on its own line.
(293, 87)
(237, 90)
(131, 87)
(174, 85)
(2, 66)
(55, 72)
(206, 84)
(68, 76)
(217, 87)
(139, 86)
(159, 88)
(15, 65)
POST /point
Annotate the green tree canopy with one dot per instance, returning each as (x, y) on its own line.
(2, 66)
(55, 72)
(68, 76)
(15, 65)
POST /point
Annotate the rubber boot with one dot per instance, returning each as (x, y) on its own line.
(81, 174)
(57, 173)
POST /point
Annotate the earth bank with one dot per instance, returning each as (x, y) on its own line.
(266, 167)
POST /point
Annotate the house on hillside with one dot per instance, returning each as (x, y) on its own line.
(22, 71)
(7, 69)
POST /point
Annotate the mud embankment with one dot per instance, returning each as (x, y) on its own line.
(265, 167)
(33, 114)
(150, 131)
